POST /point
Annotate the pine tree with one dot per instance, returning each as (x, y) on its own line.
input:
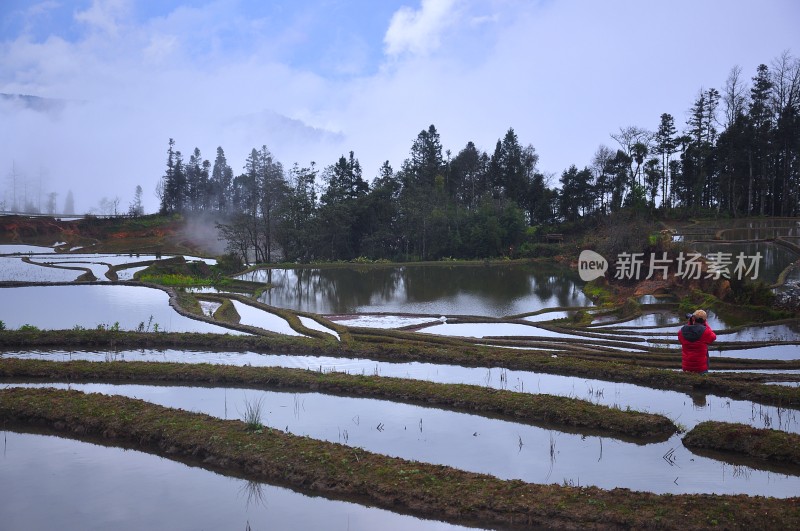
(666, 146)
(69, 204)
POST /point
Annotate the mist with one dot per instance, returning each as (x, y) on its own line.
(114, 80)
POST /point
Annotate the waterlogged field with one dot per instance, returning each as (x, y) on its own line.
(87, 486)
(509, 307)
(503, 449)
(689, 409)
(91, 306)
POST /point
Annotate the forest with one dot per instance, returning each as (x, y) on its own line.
(738, 154)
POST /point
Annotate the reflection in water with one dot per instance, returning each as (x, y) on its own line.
(95, 305)
(479, 444)
(446, 290)
(254, 492)
(774, 257)
(673, 404)
(53, 483)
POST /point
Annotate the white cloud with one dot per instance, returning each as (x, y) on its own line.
(418, 32)
(563, 75)
(104, 15)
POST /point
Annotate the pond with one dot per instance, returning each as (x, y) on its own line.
(54, 483)
(507, 450)
(488, 290)
(775, 258)
(759, 229)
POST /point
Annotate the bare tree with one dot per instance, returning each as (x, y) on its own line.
(635, 143)
(735, 96)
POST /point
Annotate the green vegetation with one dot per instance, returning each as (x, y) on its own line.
(636, 368)
(599, 291)
(252, 415)
(175, 279)
(764, 444)
(520, 407)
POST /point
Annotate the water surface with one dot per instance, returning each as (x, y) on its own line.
(504, 449)
(687, 409)
(93, 305)
(54, 483)
(494, 291)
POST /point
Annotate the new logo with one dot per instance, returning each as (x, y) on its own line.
(591, 265)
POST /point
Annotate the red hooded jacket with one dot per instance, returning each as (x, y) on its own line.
(695, 339)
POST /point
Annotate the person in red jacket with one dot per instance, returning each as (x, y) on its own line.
(695, 337)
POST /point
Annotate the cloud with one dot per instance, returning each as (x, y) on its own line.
(563, 75)
(104, 15)
(418, 32)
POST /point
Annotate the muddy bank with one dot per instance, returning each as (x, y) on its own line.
(771, 446)
(518, 407)
(632, 371)
(396, 484)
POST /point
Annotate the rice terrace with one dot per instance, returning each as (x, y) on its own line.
(502, 394)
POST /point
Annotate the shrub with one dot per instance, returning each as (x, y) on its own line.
(252, 414)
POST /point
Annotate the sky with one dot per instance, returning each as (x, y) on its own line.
(315, 79)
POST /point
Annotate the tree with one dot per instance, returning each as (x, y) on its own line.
(734, 96)
(468, 171)
(196, 181)
(166, 190)
(665, 146)
(342, 209)
(699, 184)
(220, 183)
(69, 204)
(136, 208)
(51, 203)
(418, 195)
(14, 179)
(297, 237)
(603, 176)
(653, 177)
(272, 188)
(507, 168)
(785, 103)
(576, 194)
(381, 238)
(635, 142)
(760, 118)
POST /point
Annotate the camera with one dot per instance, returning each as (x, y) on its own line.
(689, 315)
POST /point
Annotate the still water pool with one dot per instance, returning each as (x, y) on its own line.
(54, 483)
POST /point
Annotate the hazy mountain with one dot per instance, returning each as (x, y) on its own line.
(35, 103)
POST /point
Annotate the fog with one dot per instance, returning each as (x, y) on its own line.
(115, 79)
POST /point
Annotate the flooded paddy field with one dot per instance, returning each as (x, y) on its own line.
(91, 487)
(687, 409)
(89, 306)
(522, 306)
(468, 442)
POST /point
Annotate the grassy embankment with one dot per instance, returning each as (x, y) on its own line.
(745, 387)
(770, 446)
(397, 484)
(540, 409)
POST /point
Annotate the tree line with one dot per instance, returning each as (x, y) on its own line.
(737, 155)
